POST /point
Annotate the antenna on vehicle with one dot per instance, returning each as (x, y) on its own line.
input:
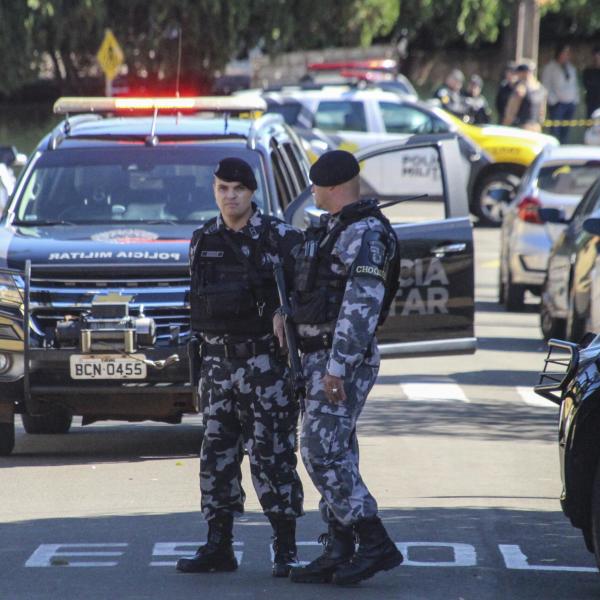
(179, 45)
(178, 76)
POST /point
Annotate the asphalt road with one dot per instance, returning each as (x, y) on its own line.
(460, 454)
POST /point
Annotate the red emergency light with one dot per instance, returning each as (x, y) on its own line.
(230, 104)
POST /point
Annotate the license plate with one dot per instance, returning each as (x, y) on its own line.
(107, 366)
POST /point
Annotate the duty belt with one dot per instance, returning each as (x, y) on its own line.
(240, 349)
(315, 343)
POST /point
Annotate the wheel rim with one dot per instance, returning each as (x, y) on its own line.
(491, 208)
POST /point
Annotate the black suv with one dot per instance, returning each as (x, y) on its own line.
(94, 281)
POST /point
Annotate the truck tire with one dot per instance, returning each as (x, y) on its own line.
(514, 296)
(489, 210)
(56, 422)
(551, 327)
(7, 438)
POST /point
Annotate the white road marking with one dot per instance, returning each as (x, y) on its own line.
(49, 555)
(433, 392)
(181, 549)
(515, 559)
(530, 397)
(464, 554)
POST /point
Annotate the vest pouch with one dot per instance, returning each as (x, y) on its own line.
(227, 301)
(310, 308)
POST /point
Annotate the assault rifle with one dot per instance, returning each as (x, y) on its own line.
(296, 375)
(195, 361)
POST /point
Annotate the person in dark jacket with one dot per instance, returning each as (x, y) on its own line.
(450, 96)
(478, 108)
(526, 107)
(505, 89)
(591, 83)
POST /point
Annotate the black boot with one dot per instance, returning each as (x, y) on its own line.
(217, 554)
(284, 545)
(376, 552)
(339, 547)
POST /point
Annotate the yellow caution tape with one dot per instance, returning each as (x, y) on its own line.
(572, 123)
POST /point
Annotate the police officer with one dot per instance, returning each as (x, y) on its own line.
(346, 276)
(526, 107)
(450, 94)
(243, 384)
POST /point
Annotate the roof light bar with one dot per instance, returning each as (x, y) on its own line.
(73, 105)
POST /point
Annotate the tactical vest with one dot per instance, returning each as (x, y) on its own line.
(232, 290)
(318, 290)
(531, 104)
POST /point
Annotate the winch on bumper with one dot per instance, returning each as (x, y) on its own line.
(101, 362)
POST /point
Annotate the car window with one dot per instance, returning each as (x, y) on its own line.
(133, 184)
(400, 118)
(284, 180)
(405, 172)
(590, 201)
(341, 115)
(568, 179)
(290, 111)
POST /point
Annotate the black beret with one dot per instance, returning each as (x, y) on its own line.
(236, 169)
(333, 168)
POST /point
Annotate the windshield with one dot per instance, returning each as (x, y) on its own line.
(568, 179)
(131, 183)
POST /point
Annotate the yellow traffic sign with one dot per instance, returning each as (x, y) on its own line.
(110, 56)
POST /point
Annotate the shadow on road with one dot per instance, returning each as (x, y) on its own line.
(487, 553)
(118, 442)
(505, 344)
(493, 306)
(485, 422)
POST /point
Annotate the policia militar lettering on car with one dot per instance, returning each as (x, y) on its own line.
(94, 252)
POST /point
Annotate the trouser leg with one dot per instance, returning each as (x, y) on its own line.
(269, 418)
(329, 445)
(221, 452)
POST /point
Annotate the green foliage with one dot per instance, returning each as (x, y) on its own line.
(63, 36)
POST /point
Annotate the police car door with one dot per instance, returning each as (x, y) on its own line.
(433, 312)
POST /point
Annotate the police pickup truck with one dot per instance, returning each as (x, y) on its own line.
(94, 279)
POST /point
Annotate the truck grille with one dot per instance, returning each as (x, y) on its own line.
(164, 299)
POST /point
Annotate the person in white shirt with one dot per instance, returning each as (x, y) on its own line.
(559, 77)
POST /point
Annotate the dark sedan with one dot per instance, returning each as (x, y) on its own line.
(571, 379)
(571, 291)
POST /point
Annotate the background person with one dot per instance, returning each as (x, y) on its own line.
(591, 83)
(243, 380)
(559, 77)
(478, 108)
(505, 88)
(450, 96)
(526, 106)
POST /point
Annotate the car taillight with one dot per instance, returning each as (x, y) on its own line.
(528, 210)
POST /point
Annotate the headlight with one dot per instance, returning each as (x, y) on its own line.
(11, 289)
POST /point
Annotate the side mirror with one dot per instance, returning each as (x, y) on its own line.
(592, 225)
(552, 215)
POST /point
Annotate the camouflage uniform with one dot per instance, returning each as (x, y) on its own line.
(247, 402)
(329, 446)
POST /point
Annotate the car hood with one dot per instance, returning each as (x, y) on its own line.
(80, 246)
(519, 134)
